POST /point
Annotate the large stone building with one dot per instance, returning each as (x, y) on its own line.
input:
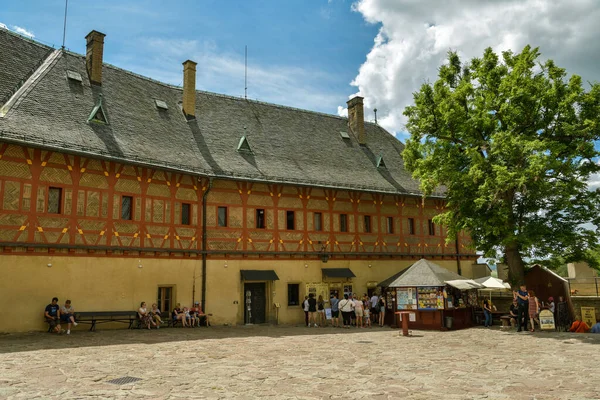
(116, 189)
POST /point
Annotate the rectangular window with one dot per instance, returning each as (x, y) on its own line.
(431, 227)
(343, 222)
(367, 224)
(185, 214)
(126, 207)
(293, 294)
(390, 224)
(164, 297)
(318, 221)
(260, 218)
(54, 200)
(290, 220)
(411, 226)
(222, 216)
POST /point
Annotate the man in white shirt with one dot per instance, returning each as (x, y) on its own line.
(374, 309)
(305, 306)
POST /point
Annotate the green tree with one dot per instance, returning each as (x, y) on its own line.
(511, 143)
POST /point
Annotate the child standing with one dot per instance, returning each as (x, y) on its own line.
(367, 317)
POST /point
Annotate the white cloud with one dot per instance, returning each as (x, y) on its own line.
(3, 26)
(223, 72)
(23, 31)
(415, 36)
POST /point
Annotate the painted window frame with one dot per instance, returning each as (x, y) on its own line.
(131, 209)
(411, 226)
(320, 219)
(226, 209)
(264, 218)
(344, 227)
(287, 220)
(60, 200)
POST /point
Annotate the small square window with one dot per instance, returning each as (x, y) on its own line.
(367, 223)
(411, 226)
(54, 200)
(185, 214)
(290, 220)
(390, 224)
(126, 206)
(343, 222)
(260, 218)
(293, 294)
(222, 216)
(318, 221)
(431, 227)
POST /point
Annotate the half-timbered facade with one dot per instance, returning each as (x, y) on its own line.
(117, 189)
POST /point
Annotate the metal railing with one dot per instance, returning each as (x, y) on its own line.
(584, 286)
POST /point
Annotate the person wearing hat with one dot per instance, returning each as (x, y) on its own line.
(551, 305)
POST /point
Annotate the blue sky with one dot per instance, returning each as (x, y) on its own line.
(302, 53)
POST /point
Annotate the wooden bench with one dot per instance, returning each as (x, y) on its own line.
(505, 321)
(101, 317)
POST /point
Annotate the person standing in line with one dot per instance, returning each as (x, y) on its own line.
(352, 315)
(321, 311)
(487, 311)
(523, 302)
(335, 311)
(346, 307)
(374, 311)
(312, 310)
(534, 310)
(381, 305)
(305, 307)
(358, 312)
(67, 314)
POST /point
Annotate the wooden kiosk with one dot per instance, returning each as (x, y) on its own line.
(438, 299)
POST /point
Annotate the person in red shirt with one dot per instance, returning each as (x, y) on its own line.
(579, 326)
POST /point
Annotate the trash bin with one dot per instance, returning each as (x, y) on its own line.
(449, 321)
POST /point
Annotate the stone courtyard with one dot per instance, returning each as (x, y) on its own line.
(300, 363)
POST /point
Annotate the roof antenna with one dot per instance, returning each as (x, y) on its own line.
(246, 73)
(65, 25)
(375, 111)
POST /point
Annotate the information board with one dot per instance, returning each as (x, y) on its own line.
(547, 320)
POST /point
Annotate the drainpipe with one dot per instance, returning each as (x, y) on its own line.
(204, 255)
(458, 269)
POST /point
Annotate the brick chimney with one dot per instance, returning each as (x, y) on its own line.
(356, 119)
(189, 89)
(93, 56)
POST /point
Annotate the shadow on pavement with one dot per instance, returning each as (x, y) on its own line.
(33, 341)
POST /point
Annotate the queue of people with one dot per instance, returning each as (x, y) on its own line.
(362, 312)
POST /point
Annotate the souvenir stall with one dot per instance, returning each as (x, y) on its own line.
(436, 297)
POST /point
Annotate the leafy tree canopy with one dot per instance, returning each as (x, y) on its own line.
(511, 141)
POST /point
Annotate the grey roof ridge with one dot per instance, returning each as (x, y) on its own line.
(21, 139)
(27, 38)
(30, 83)
(224, 96)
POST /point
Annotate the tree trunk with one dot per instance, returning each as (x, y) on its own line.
(516, 266)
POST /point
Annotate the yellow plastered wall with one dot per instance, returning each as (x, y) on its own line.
(225, 297)
(91, 283)
(109, 284)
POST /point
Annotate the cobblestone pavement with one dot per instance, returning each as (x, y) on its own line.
(300, 363)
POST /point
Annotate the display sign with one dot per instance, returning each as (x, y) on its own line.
(328, 313)
(430, 298)
(318, 289)
(588, 315)
(412, 317)
(406, 298)
(547, 320)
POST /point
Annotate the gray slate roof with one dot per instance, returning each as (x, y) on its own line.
(423, 273)
(288, 145)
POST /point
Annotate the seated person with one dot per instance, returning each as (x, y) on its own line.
(579, 326)
(198, 314)
(513, 313)
(179, 315)
(52, 315)
(67, 314)
(188, 317)
(596, 327)
(156, 314)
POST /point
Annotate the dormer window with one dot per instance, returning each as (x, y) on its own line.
(161, 104)
(380, 162)
(74, 76)
(244, 146)
(98, 114)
